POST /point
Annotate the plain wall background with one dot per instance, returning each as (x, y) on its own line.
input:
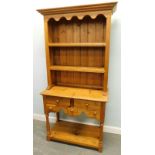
(113, 107)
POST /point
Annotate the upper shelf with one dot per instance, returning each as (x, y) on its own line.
(78, 69)
(77, 44)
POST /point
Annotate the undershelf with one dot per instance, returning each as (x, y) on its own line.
(77, 44)
(76, 93)
(78, 69)
(75, 133)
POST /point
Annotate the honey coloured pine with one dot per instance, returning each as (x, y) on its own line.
(77, 41)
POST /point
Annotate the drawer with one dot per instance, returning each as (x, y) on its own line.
(57, 101)
(87, 105)
(52, 108)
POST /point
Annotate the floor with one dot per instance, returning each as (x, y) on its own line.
(112, 144)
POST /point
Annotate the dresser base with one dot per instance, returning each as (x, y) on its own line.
(75, 133)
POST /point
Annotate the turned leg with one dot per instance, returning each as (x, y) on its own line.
(102, 114)
(101, 138)
(48, 125)
(47, 118)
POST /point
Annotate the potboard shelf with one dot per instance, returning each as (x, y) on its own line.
(80, 134)
(78, 69)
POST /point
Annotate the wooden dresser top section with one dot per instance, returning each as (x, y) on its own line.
(76, 93)
(79, 11)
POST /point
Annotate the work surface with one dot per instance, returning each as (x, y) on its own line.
(76, 93)
(112, 144)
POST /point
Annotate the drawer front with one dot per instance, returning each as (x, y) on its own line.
(90, 108)
(87, 105)
(57, 101)
(52, 108)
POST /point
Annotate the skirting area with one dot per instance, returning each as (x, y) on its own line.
(112, 144)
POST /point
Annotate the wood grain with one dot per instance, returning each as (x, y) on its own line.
(78, 69)
(76, 51)
(106, 61)
(111, 6)
(77, 44)
(49, 79)
(76, 93)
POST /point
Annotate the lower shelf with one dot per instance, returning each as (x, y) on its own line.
(75, 133)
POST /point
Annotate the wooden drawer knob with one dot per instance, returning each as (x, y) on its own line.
(71, 109)
(87, 104)
(57, 101)
(50, 108)
(95, 113)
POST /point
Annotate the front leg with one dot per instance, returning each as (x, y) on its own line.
(102, 115)
(46, 111)
(48, 125)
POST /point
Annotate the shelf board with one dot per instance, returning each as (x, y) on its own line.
(77, 93)
(77, 44)
(78, 69)
(79, 134)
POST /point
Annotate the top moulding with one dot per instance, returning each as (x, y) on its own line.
(79, 11)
